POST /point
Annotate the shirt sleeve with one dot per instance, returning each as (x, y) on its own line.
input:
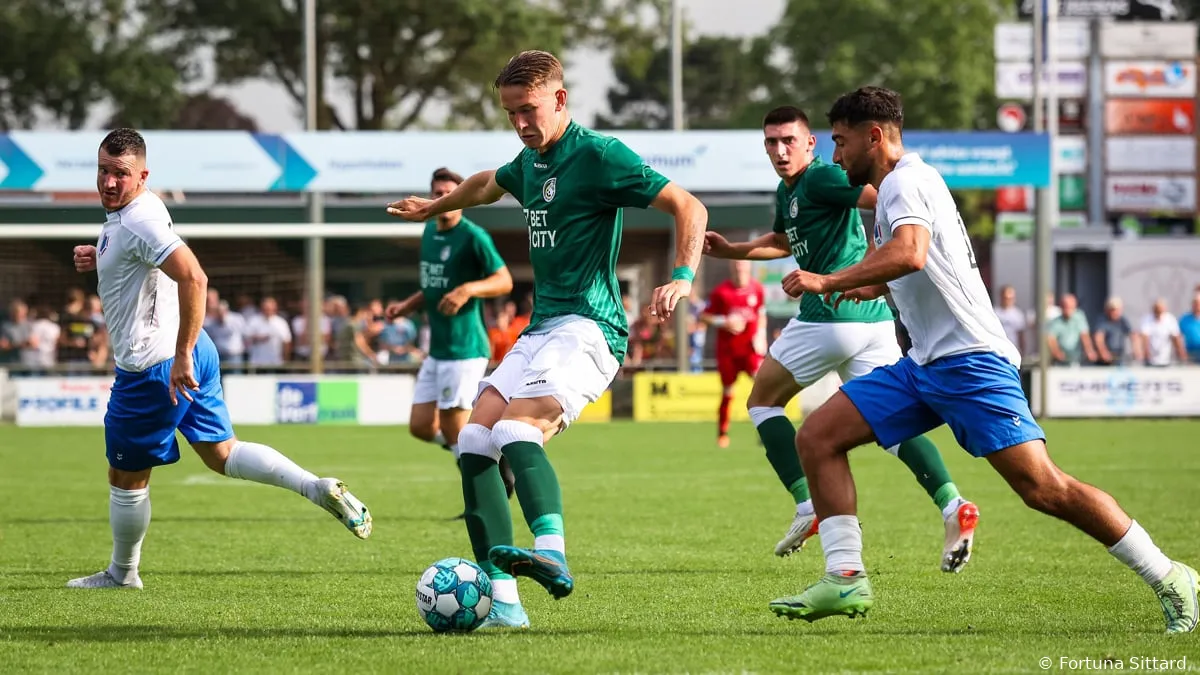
(154, 238)
(780, 226)
(828, 185)
(510, 178)
(626, 180)
(489, 258)
(1173, 326)
(716, 303)
(903, 204)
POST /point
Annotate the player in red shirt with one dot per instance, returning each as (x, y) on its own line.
(737, 309)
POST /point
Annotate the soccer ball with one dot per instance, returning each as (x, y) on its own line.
(454, 594)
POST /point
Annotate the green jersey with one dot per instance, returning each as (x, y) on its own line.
(819, 215)
(449, 259)
(572, 197)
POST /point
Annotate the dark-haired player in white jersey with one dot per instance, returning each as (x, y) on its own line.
(961, 371)
(152, 289)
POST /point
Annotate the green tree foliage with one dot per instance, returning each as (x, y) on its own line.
(937, 54)
(395, 58)
(59, 59)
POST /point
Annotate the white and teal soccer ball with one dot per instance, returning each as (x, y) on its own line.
(454, 594)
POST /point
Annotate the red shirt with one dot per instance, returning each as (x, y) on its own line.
(747, 301)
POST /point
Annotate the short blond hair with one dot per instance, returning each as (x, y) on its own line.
(531, 68)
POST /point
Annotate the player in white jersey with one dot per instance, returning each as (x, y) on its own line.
(961, 371)
(167, 377)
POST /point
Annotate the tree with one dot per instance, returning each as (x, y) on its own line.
(59, 59)
(396, 58)
(937, 54)
(722, 79)
(198, 112)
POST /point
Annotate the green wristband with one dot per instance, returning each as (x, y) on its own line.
(683, 274)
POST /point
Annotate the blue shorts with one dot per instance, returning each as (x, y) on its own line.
(139, 427)
(979, 395)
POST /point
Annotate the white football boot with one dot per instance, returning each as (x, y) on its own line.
(804, 525)
(104, 580)
(331, 494)
(960, 535)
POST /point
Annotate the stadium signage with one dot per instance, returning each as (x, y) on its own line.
(1143, 10)
(1014, 41)
(1124, 392)
(1150, 154)
(1156, 79)
(1014, 80)
(1147, 40)
(1156, 116)
(396, 162)
(1130, 194)
(54, 401)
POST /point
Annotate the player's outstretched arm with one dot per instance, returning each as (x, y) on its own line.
(477, 190)
(183, 267)
(904, 254)
(406, 306)
(495, 284)
(691, 220)
(770, 246)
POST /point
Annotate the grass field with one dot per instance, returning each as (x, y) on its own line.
(670, 540)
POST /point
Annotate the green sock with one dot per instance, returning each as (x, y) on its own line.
(779, 438)
(923, 459)
(537, 487)
(489, 522)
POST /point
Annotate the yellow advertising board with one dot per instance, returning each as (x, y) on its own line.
(686, 397)
(600, 411)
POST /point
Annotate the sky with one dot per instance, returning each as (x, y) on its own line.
(589, 71)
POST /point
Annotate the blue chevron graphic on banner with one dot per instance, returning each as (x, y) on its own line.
(295, 173)
(23, 172)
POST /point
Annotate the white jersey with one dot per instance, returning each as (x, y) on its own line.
(141, 303)
(944, 306)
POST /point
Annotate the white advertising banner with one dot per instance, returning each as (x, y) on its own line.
(1014, 41)
(62, 401)
(252, 399)
(1151, 79)
(1014, 80)
(1150, 193)
(1150, 154)
(1122, 392)
(1147, 39)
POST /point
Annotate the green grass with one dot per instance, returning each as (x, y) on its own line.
(670, 540)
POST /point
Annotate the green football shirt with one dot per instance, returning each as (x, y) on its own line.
(819, 215)
(449, 259)
(572, 196)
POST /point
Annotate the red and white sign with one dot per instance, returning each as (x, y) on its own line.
(1011, 117)
(1158, 79)
(1150, 193)
(1013, 199)
(1150, 116)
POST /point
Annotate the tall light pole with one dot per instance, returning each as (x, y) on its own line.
(315, 246)
(1047, 198)
(681, 315)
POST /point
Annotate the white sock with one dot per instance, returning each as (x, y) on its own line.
(439, 438)
(758, 414)
(263, 464)
(1137, 551)
(129, 517)
(952, 507)
(550, 542)
(454, 450)
(805, 508)
(841, 537)
(505, 590)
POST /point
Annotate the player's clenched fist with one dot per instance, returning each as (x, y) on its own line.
(799, 282)
(414, 209)
(662, 303)
(715, 245)
(85, 258)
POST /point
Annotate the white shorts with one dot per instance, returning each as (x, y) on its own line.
(811, 350)
(453, 384)
(572, 363)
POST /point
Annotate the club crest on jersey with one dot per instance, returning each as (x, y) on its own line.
(752, 301)
(794, 207)
(549, 189)
(445, 254)
(103, 243)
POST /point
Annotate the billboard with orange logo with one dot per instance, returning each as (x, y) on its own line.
(1150, 79)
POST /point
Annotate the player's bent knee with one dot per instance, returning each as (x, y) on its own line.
(476, 439)
(516, 431)
(128, 480)
(215, 454)
(488, 409)
(835, 427)
(422, 431)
